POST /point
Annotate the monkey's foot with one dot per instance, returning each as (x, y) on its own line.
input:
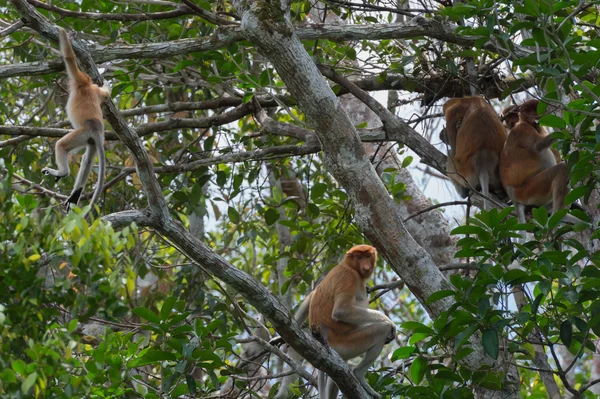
(73, 198)
(53, 172)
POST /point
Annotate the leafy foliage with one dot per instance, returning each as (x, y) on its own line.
(87, 311)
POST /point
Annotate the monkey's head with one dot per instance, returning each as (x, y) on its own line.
(362, 258)
(510, 116)
(528, 112)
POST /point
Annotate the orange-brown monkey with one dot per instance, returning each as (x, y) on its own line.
(511, 117)
(85, 114)
(529, 169)
(338, 309)
(475, 136)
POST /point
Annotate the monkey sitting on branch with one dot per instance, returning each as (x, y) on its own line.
(475, 137)
(531, 172)
(339, 314)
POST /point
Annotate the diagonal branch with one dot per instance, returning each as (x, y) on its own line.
(158, 217)
(392, 123)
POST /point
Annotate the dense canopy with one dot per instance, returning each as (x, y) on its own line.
(250, 144)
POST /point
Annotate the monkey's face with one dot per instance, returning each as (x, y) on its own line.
(363, 263)
(511, 116)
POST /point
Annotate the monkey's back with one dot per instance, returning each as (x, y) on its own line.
(478, 142)
(519, 160)
(481, 129)
(84, 102)
(341, 282)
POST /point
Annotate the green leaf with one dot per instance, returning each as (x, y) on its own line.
(417, 370)
(19, 366)
(28, 383)
(167, 307)
(490, 342)
(467, 230)
(146, 314)
(436, 296)
(553, 121)
(271, 216)
(418, 337)
(8, 376)
(234, 216)
(536, 303)
(191, 383)
(414, 325)
(317, 191)
(403, 353)
(151, 357)
(566, 332)
(575, 194)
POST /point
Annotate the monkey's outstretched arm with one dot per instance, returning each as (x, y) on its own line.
(544, 143)
(68, 54)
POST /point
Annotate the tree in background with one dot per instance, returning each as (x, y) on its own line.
(249, 145)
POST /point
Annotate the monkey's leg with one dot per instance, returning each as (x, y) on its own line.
(484, 182)
(83, 175)
(324, 385)
(69, 142)
(542, 188)
(368, 340)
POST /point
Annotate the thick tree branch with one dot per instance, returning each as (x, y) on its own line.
(376, 213)
(224, 36)
(159, 218)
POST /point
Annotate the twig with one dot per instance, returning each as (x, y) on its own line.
(432, 207)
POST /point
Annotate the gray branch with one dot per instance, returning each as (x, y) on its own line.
(224, 36)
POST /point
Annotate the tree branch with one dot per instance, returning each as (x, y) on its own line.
(376, 213)
(178, 12)
(225, 36)
(158, 217)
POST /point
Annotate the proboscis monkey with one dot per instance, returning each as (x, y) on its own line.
(85, 114)
(338, 311)
(475, 137)
(529, 169)
(511, 117)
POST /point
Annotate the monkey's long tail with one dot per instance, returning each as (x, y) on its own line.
(101, 171)
(68, 54)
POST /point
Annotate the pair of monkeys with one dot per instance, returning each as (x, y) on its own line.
(482, 156)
